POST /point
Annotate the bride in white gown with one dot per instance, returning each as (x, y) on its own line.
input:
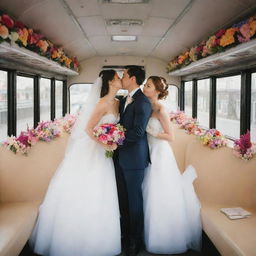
(80, 215)
(172, 222)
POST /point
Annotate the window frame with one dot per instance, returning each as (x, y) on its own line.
(12, 94)
(245, 100)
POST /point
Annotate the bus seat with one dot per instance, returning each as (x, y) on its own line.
(223, 181)
(23, 183)
(16, 223)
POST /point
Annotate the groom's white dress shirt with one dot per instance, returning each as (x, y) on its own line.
(129, 97)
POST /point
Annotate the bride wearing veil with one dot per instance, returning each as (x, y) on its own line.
(80, 214)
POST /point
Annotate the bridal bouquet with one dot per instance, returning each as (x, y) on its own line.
(110, 134)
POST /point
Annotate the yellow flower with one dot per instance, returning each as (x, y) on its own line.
(4, 32)
(23, 36)
(67, 62)
(252, 24)
(14, 36)
(43, 45)
(228, 37)
(55, 54)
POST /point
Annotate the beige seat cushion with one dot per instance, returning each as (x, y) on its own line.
(16, 223)
(231, 237)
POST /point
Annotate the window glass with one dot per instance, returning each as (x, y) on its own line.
(45, 99)
(228, 105)
(25, 108)
(188, 98)
(78, 96)
(171, 101)
(3, 105)
(253, 108)
(58, 98)
(203, 102)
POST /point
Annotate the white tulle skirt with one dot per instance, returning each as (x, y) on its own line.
(172, 222)
(80, 213)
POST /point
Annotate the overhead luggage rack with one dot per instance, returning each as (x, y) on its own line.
(23, 56)
(241, 56)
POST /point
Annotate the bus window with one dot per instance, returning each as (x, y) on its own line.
(228, 105)
(58, 98)
(253, 108)
(171, 102)
(188, 98)
(25, 109)
(3, 105)
(78, 95)
(203, 102)
(45, 99)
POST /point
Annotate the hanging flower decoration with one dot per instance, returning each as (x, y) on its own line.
(12, 31)
(244, 148)
(222, 40)
(45, 131)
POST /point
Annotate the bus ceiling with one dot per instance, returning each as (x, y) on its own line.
(146, 28)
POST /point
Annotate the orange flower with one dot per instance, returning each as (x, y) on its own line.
(67, 62)
(43, 45)
(55, 54)
(23, 36)
(228, 37)
(252, 24)
(4, 32)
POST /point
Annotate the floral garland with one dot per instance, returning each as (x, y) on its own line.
(45, 131)
(211, 138)
(224, 39)
(12, 31)
(244, 148)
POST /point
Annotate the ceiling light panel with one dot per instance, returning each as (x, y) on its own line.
(125, 1)
(121, 38)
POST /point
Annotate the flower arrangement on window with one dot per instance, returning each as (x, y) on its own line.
(244, 148)
(190, 125)
(45, 131)
(16, 32)
(213, 139)
(224, 39)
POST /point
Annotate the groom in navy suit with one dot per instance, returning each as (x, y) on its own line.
(132, 158)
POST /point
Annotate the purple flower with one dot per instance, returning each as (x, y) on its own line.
(23, 139)
(244, 142)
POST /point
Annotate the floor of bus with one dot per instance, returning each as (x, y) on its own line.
(208, 249)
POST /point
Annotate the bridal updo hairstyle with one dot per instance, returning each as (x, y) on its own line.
(160, 85)
(107, 76)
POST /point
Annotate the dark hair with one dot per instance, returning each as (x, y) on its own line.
(136, 71)
(107, 75)
(160, 85)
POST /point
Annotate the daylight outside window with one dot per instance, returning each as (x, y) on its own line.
(25, 108)
(58, 98)
(253, 108)
(203, 102)
(78, 96)
(3, 105)
(228, 105)
(45, 99)
(188, 98)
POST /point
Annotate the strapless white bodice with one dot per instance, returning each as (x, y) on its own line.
(154, 125)
(109, 118)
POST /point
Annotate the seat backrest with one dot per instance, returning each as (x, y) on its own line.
(222, 177)
(26, 178)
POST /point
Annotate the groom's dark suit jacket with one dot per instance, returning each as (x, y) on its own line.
(134, 153)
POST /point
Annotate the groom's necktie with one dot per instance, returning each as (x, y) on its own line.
(127, 101)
